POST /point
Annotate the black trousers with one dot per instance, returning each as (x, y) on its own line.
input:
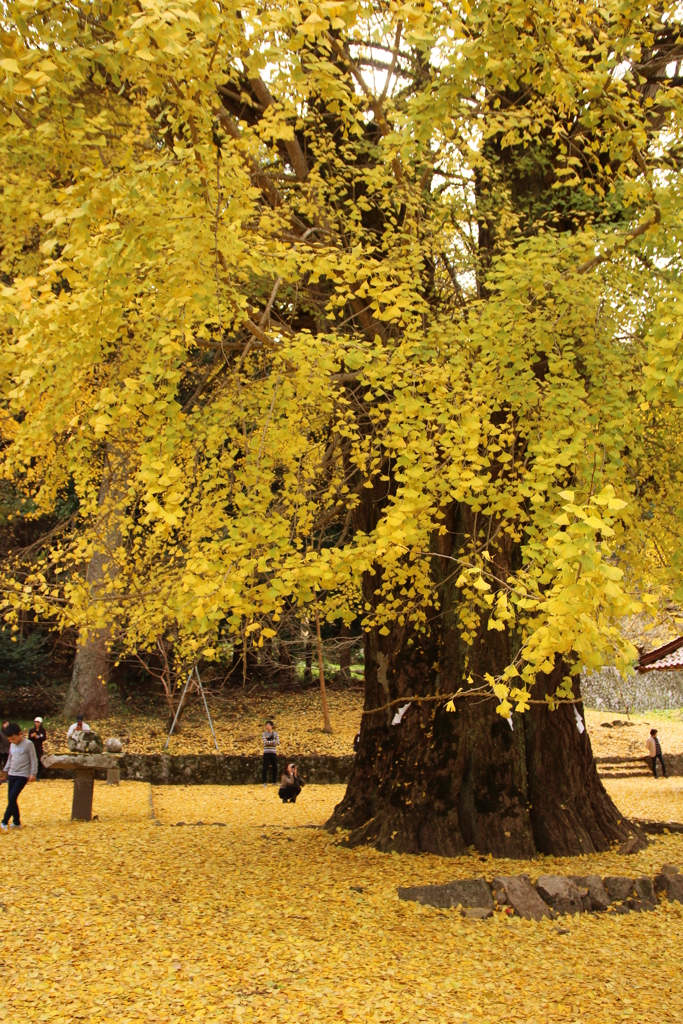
(289, 793)
(269, 761)
(658, 757)
(15, 784)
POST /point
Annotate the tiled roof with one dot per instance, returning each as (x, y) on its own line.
(669, 656)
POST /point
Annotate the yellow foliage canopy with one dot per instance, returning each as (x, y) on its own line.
(268, 267)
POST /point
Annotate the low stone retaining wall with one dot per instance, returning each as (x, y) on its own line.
(552, 895)
(219, 769)
(625, 767)
(323, 769)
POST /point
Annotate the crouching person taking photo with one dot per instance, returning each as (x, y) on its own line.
(21, 767)
(290, 785)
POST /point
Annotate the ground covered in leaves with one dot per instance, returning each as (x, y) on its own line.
(615, 735)
(239, 719)
(263, 918)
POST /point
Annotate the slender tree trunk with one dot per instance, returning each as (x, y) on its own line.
(323, 693)
(88, 694)
(345, 655)
(284, 663)
(308, 661)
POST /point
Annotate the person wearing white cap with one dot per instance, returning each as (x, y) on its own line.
(37, 736)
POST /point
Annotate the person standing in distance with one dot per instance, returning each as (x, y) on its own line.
(21, 767)
(78, 726)
(654, 749)
(271, 742)
(37, 736)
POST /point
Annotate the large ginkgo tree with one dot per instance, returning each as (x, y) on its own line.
(355, 311)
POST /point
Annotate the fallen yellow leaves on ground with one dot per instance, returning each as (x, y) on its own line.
(660, 799)
(238, 722)
(45, 804)
(130, 920)
(244, 805)
(629, 740)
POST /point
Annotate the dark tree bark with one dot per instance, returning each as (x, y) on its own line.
(284, 674)
(571, 811)
(441, 782)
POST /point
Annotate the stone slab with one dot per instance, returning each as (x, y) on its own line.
(73, 762)
(517, 892)
(84, 783)
(466, 893)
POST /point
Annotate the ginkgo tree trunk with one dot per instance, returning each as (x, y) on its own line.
(445, 777)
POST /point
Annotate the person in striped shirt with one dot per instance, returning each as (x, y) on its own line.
(654, 749)
(271, 742)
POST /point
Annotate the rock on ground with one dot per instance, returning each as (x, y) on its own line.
(560, 893)
(645, 898)
(468, 893)
(619, 888)
(517, 892)
(597, 894)
(671, 885)
(477, 913)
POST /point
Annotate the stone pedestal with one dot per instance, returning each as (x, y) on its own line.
(83, 766)
(113, 776)
(84, 784)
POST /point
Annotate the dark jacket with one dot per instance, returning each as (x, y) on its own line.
(37, 738)
(290, 780)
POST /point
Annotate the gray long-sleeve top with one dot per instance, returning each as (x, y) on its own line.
(22, 759)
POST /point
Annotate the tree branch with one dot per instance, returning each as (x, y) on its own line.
(294, 150)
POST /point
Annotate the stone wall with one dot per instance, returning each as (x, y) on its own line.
(220, 769)
(606, 690)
